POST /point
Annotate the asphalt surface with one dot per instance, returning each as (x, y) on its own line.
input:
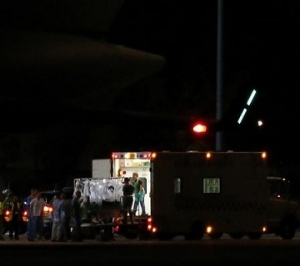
(119, 239)
(269, 250)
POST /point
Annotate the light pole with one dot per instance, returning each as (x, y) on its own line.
(219, 72)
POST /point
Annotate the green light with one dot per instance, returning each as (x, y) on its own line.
(251, 97)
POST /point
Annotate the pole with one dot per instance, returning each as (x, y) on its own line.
(219, 73)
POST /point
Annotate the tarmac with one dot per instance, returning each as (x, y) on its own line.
(23, 241)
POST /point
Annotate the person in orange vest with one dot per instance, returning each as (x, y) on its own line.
(15, 218)
(1, 216)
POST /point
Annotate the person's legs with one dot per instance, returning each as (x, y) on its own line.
(59, 231)
(40, 227)
(64, 234)
(11, 229)
(54, 231)
(16, 228)
(76, 234)
(68, 229)
(30, 233)
(34, 224)
(65, 229)
(2, 229)
(135, 206)
(126, 208)
(143, 207)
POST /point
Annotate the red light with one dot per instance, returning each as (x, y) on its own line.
(199, 128)
(147, 156)
(115, 155)
(149, 224)
(7, 215)
(117, 229)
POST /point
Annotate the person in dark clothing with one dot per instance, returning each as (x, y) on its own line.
(30, 234)
(14, 223)
(65, 214)
(76, 205)
(127, 199)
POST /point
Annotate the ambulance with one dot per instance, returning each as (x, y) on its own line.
(211, 193)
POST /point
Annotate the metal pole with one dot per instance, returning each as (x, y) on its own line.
(219, 73)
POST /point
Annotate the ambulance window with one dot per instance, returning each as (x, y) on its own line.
(177, 185)
(211, 185)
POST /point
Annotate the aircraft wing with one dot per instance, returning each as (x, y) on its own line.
(65, 66)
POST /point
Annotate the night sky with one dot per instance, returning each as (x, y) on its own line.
(260, 49)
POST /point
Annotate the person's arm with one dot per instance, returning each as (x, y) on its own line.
(142, 193)
(31, 206)
(42, 207)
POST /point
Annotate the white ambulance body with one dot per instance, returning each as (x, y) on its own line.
(101, 168)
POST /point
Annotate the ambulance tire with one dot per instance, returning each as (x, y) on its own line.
(237, 235)
(196, 231)
(287, 229)
(88, 232)
(144, 235)
(216, 235)
(165, 236)
(130, 234)
(254, 235)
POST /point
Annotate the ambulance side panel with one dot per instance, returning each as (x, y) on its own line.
(228, 191)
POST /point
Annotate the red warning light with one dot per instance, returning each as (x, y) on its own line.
(199, 128)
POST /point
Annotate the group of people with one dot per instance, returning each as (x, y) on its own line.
(64, 209)
(133, 196)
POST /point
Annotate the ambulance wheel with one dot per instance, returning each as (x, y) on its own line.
(165, 236)
(216, 235)
(287, 229)
(254, 235)
(196, 231)
(130, 234)
(237, 235)
(88, 232)
(144, 235)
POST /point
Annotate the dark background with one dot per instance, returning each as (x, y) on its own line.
(54, 125)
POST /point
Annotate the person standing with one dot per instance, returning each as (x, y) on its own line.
(56, 222)
(65, 214)
(36, 212)
(30, 234)
(134, 180)
(2, 229)
(136, 184)
(139, 196)
(15, 217)
(76, 205)
(127, 199)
